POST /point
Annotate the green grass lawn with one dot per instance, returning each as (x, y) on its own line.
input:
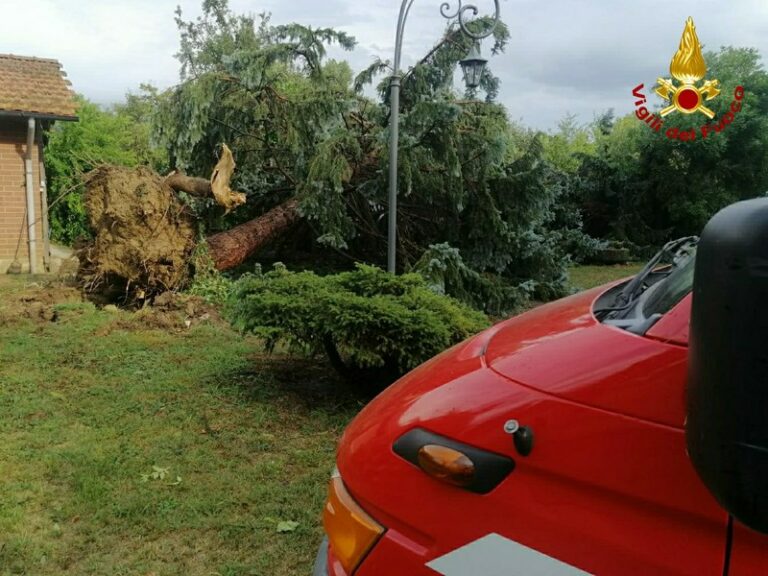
(133, 445)
(132, 450)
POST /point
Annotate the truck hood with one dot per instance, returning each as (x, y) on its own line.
(561, 349)
(586, 389)
(557, 350)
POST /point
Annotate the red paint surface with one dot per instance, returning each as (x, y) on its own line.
(560, 349)
(608, 487)
(749, 554)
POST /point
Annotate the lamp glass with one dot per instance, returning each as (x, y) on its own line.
(473, 67)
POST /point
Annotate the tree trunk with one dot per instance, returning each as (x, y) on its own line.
(232, 247)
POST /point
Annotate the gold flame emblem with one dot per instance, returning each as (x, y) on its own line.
(688, 67)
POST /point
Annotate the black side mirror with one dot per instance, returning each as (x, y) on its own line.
(727, 424)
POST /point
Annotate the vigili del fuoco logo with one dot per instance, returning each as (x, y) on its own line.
(686, 95)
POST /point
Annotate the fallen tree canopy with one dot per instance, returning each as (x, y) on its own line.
(145, 236)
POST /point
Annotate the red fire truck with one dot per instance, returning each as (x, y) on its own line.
(594, 435)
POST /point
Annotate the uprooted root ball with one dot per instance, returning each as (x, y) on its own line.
(143, 235)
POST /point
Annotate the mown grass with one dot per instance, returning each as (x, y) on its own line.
(89, 410)
(128, 449)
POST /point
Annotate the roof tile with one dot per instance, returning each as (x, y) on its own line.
(35, 86)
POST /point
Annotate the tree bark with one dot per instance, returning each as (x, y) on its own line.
(232, 247)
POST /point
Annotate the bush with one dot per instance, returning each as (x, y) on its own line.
(374, 326)
(447, 273)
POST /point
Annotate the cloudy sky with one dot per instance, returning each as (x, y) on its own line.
(565, 56)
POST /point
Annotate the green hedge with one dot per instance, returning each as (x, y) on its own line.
(372, 325)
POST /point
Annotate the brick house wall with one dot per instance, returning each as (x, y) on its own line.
(13, 196)
(30, 88)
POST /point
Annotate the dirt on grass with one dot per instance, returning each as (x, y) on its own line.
(37, 301)
(170, 312)
(144, 236)
(45, 300)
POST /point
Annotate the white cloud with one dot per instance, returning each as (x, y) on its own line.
(578, 56)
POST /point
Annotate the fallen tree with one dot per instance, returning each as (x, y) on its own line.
(482, 210)
(145, 235)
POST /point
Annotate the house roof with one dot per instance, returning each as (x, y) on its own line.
(35, 87)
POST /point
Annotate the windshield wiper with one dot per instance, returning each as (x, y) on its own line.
(677, 250)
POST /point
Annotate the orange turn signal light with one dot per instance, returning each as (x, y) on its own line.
(351, 531)
(447, 465)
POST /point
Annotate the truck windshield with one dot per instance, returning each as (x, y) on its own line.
(663, 282)
(666, 294)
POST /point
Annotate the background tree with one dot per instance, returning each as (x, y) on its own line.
(646, 188)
